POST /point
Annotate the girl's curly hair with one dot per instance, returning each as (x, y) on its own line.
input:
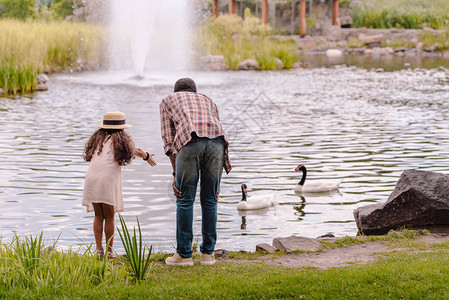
(122, 144)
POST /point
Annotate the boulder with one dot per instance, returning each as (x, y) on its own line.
(40, 87)
(42, 78)
(280, 64)
(265, 247)
(334, 53)
(249, 64)
(213, 63)
(1, 92)
(335, 34)
(371, 41)
(419, 200)
(220, 253)
(293, 243)
(446, 54)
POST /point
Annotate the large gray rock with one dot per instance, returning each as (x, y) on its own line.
(213, 63)
(335, 34)
(293, 243)
(419, 200)
(280, 64)
(41, 87)
(249, 64)
(42, 78)
(265, 247)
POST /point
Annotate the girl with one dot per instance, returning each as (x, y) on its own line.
(109, 148)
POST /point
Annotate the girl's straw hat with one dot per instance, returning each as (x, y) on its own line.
(114, 120)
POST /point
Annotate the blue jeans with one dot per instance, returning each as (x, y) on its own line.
(200, 159)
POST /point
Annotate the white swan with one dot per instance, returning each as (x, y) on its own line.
(255, 202)
(315, 186)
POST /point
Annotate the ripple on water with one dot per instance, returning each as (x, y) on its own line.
(365, 126)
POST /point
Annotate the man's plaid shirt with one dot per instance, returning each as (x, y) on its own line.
(183, 113)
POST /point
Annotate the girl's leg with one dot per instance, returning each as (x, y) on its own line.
(98, 225)
(108, 213)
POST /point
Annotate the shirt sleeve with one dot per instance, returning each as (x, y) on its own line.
(167, 129)
(216, 111)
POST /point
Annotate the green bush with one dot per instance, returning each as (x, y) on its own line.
(17, 9)
(61, 9)
(238, 39)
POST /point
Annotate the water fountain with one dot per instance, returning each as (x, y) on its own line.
(150, 35)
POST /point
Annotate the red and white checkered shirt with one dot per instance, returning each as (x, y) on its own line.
(185, 112)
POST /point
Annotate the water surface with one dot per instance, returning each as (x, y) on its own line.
(363, 123)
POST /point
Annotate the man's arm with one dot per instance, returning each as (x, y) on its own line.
(167, 130)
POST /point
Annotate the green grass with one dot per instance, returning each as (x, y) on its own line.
(409, 14)
(16, 79)
(27, 48)
(399, 275)
(238, 39)
(29, 270)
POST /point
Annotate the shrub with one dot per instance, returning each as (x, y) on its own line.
(61, 9)
(17, 9)
(238, 39)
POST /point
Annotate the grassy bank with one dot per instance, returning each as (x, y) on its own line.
(36, 46)
(409, 14)
(238, 39)
(29, 270)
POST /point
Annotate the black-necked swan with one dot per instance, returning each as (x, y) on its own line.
(256, 201)
(315, 186)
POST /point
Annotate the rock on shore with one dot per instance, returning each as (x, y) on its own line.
(419, 200)
(249, 64)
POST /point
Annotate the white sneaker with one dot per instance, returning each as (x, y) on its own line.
(177, 260)
(207, 259)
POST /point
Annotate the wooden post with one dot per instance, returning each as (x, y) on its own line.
(265, 12)
(335, 13)
(231, 7)
(302, 19)
(215, 8)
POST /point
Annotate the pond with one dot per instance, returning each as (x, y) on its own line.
(361, 121)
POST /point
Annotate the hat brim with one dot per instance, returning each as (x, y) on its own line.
(124, 126)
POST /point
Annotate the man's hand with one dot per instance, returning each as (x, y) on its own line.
(175, 190)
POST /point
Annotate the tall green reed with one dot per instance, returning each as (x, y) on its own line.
(16, 79)
(135, 251)
(27, 266)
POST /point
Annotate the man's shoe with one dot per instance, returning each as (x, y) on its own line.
(177, 260)
(207, 259)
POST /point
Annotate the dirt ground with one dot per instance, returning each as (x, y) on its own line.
(349, 255)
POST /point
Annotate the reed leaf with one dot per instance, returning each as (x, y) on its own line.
(135, 251)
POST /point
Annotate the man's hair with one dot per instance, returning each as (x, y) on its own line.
(185, 85)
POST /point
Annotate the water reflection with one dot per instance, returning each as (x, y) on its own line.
(362, 125)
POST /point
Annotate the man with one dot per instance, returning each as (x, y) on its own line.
(195, 142)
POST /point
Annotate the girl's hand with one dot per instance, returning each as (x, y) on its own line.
(150, 160)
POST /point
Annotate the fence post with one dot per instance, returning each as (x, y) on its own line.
(265, 12)
(231, 7)
(302, 19)
(215, 8)
(335, 6)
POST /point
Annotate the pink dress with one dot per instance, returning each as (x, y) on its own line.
(103, 181)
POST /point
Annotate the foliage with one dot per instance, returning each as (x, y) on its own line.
(429, 38)
(18, 9)
(27, 269)
(16, 79)
(135, 251)
(409, 14)
(52, 46)
(63, 8)
(238, 39)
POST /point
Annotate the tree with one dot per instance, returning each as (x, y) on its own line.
(18, 9)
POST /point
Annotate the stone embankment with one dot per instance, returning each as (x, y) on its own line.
(375, 42)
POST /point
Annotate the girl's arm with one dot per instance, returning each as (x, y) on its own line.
(145, 156)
